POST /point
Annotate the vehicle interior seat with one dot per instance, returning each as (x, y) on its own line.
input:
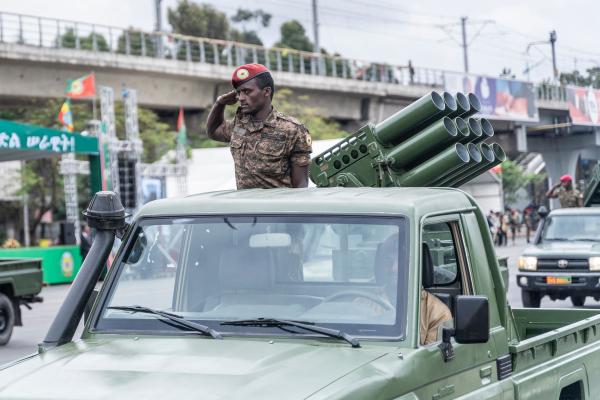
(428, 277)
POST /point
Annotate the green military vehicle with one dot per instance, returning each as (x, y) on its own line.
(564, 259)
(315, 293)
(285, 294)
(20, 284)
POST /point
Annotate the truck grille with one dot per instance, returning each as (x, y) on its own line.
(551, 264)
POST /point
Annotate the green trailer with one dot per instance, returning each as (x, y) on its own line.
(60, 264)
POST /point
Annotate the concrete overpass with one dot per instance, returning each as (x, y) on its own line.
(170, 71)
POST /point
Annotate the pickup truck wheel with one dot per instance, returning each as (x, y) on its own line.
(578, 301)
(531, 299)
(7, 319)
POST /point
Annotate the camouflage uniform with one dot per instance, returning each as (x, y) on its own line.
(569, 198)
(264, 151)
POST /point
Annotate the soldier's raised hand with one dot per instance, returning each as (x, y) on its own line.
(228, 99)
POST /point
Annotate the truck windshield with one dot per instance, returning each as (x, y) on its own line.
(345, 272)
(572, 228)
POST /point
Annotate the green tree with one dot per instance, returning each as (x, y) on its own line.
(201, 20)
(293, 36)
(515, 178)
(135, 43)
(69, 40)
(577, 78)
(245, 17)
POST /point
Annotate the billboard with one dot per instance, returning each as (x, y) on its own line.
(505, 99)
(583, 105)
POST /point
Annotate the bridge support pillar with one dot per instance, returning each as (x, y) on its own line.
(561, 153)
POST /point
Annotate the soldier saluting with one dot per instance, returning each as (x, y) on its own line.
(269, 148)
(567, 195)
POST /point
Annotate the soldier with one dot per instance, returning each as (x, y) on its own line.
(269, 148)
(567, 195)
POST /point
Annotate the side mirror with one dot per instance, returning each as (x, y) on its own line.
(471, 319)
(471, 324)
(543, 212)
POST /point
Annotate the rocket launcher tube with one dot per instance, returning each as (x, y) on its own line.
(475, 131)
(450, 101)
(445, 162)
(464, 135)
(499, 157)
(424, 144)
(476, 157)
(410, 119)
(487, 130)
(475, 105)
(463, 105)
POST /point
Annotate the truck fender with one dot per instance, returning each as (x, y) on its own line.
(7, 288)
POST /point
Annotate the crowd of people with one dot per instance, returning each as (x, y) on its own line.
(507, 224)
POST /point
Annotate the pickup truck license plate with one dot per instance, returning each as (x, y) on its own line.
(558, 280)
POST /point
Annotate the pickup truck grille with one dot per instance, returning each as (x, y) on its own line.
(551, 264)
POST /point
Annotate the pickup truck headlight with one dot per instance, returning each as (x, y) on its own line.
(530, 263)
(594, 263)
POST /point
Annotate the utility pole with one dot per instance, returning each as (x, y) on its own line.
(317, 46)
(553, 44)
(463, 23)
(158, 27)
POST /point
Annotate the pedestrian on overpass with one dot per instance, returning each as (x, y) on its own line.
(269, 149)
(567, 195)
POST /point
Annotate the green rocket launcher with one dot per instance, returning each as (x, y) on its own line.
(434, 141)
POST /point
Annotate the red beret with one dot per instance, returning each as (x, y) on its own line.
(566, 178)
(244, 73)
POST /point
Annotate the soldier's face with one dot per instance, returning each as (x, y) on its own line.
(252, 98)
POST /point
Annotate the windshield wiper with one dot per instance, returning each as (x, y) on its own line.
(172, 317)
(585, 240)
(558, 239)
(282, 323)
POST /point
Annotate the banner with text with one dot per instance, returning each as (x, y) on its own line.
(505, 99)
(584, 105)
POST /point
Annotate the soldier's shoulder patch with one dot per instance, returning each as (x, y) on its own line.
(289, 119)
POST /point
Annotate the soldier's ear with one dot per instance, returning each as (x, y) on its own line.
(267, 91)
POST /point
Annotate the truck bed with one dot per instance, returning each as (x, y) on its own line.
(544, 334)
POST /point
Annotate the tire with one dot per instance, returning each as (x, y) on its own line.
(7, 319)
(578, 301)
(531, 299)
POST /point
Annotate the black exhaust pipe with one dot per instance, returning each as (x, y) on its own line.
(106, 214)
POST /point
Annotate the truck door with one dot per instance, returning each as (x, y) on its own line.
(472, 373)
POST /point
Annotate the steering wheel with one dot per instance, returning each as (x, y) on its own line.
(355, 293)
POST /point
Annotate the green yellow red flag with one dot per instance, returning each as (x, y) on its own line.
(81, 87)
(65, 116)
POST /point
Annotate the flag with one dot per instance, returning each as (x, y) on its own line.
(182, 133)
(65, 117)
(82, 87)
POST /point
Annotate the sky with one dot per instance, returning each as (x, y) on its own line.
(427, 32)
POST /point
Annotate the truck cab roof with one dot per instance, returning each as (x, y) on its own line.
(406, 201)
(576, 211)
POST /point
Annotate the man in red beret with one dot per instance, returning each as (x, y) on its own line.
(269, 149)
(567, 195)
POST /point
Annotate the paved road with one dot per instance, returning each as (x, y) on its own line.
(37, 321)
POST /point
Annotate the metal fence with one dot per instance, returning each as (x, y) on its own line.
(55, 33)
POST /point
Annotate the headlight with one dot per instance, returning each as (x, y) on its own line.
(594, 263)
(530, 263)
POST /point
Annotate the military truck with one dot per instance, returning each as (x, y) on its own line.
(20, 284)
(313, 293)
(286, 294)
(564, 259)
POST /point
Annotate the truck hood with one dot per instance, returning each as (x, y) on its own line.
(160, 368)
(564, 249)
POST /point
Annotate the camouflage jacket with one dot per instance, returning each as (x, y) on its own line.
(569, 198)
(264, 151)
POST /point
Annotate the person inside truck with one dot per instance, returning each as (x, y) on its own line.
(566, 194)
(433, 312)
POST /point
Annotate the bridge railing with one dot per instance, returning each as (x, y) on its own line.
(550, 92)
(58, 33)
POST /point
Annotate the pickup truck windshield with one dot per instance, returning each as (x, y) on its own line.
(572, 228)
(344, 272)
